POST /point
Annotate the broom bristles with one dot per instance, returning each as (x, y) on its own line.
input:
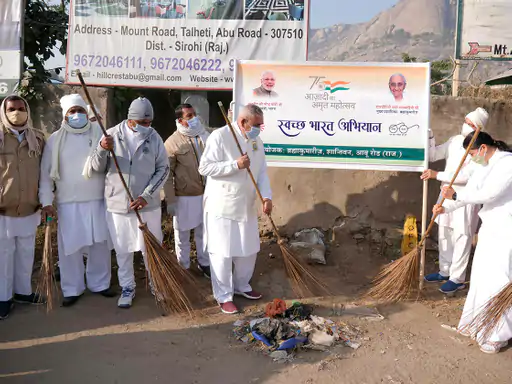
(396, 280)
(47, 286)
(302, 280)
(491, 314)
(174, 287)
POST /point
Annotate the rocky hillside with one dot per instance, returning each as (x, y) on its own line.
(421, 28)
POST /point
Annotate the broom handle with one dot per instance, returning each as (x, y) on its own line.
(461, 164)
(221, 106)
(114, 157)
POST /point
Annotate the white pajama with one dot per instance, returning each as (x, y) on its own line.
(491, 272)
(454, 252)
(128, 238)
(188, 216)
(82, 231)
(17, 247)
(182, 247)
(225, 281)
(490, 186)
(231, 242)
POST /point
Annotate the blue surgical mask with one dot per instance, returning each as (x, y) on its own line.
(193, 122)
(141, 129)
(480, 158)
(77, 120)
(253, 133)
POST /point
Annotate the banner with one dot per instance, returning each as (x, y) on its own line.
(340, 115)
(483, 30)
(180, 44)
(10, 45)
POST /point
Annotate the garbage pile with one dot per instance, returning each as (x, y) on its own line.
(282, 330)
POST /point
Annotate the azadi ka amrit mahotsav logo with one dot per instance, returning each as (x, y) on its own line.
(335, 86)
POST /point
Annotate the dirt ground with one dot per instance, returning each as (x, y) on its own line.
(96, 342)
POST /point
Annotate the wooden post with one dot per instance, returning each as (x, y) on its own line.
(424, 218)
(456, 79)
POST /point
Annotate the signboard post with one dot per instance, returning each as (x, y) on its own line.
(483, 30)
(11, 12)
(180, 44)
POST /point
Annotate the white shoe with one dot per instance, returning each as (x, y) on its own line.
(492, 348)
(127, 296)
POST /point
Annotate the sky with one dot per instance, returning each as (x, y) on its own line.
(324, 13)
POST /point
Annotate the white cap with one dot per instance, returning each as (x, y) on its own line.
(73, 100)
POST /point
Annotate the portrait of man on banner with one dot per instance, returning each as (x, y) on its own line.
(266, 88)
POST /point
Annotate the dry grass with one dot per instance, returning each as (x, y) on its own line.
(175, 288)
(302, 280)
(47, 286)
(397, 280)
(491, 315)
(485, 92)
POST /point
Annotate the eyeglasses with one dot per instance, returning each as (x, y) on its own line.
(396, 85)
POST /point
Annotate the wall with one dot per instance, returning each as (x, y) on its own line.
(316, 198)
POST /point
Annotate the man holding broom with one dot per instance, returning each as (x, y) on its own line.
(456, 228)
(230, 215)
(143, 161)
(185, 187)
(67, 177)
(21, 147)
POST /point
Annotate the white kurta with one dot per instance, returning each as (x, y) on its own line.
(225, 236)
(231, 220)
(11, 227)
(189, 212)
(463, 220)
(492, 266)
(125, 232)
(82, 225)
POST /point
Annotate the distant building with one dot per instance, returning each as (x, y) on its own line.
(501, 81)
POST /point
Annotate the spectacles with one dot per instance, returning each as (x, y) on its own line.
(396, 85)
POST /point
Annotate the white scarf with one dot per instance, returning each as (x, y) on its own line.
(191, 132)
(94, 132)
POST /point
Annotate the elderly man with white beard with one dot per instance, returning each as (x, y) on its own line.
(230, 214)
(67, 178)
(185, 187)
(456, 228)
(143, 161)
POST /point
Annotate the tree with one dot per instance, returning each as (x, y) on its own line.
(438, 70)
(46, 28)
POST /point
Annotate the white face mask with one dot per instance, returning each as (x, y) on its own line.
(466, 129)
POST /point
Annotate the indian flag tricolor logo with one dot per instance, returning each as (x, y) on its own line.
(334, 86)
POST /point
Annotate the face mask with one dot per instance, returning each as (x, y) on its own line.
(253, 133)
(17, 117)
(194, 122)
(78, 120)
(479, 158)
(466, 129)
(141, 129)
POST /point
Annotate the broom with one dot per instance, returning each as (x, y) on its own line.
(490, 316)
(396, 280)
(173, 285)
(47, 286)
(303, 282)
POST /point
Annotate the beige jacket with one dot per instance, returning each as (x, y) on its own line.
(184, 178)
(19, 177)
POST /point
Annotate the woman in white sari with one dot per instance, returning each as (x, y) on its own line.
(491, 186)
